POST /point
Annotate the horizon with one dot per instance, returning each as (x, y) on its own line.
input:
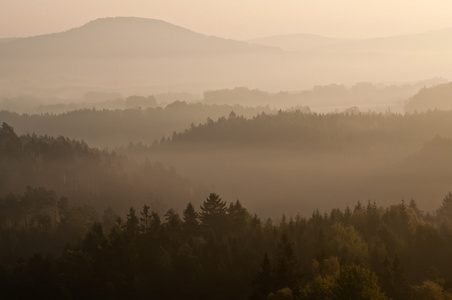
(248, 39)
(237, 20)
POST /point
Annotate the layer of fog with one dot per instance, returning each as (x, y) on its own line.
(149, 57)
(362, 96)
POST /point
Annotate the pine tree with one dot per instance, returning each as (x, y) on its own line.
(264, 281)
(173, 221)
(132, 223)
(190, 219)
(213, 212)
(286, 268)
(145, 219)
(446, 207)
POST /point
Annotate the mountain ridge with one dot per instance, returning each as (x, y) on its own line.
(125, 36)
(312, 42)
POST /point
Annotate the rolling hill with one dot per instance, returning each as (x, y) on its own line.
(124, 37)
(437, 41)
(296, 42)
(433, 98)
(118, 54)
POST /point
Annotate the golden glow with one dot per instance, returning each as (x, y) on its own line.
(244, 19)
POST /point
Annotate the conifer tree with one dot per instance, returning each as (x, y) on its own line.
(213, 212)
(190, 219)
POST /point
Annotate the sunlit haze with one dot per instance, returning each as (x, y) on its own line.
(206, 149)
(236, 19)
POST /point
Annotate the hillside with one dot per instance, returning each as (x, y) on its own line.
(296, 42)
(310, 161)
(425, 43)
(85, 175)
(436, 97)
(123, 37)
(114, 128)
(125, 54)
(122, 54)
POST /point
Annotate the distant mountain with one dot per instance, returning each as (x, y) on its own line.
(6, 40)
(296, 42)
(124, 37)
(120, 54)
(426, 43)
(438, 41)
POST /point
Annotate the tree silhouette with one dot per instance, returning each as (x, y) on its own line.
(264, 281)
(213, 212)
(286, 267)
(190, 219)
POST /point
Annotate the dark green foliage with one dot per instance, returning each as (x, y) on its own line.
(232, 256)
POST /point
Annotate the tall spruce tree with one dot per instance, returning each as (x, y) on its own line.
(213, 212)
(190, 216)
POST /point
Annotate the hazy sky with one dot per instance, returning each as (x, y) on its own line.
(237, 19)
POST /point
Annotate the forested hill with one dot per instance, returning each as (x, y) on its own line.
(113, 128)
(433, 98)
(317, 131)
(85, 175)
(309, 161)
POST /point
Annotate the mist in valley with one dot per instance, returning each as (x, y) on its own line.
(120, 138)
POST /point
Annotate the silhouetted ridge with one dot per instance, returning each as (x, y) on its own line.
(434, 98)
(85, 175)
(125, 37)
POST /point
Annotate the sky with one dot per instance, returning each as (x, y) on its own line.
(236, 19)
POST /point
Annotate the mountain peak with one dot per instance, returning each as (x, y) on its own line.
(127, 37)
(128, 22)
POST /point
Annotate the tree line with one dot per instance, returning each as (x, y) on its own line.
(222, 251)
(301, 130)
(118, 127)
(86, 175)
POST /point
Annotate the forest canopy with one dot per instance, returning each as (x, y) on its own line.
(86, 175)
(221, 250)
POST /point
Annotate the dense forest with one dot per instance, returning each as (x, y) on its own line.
(87, 176)
(119, 127)
(262, 155)
(222, 251)
(141, 159)
(324, 159)
(329, 132)
(79, 222)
